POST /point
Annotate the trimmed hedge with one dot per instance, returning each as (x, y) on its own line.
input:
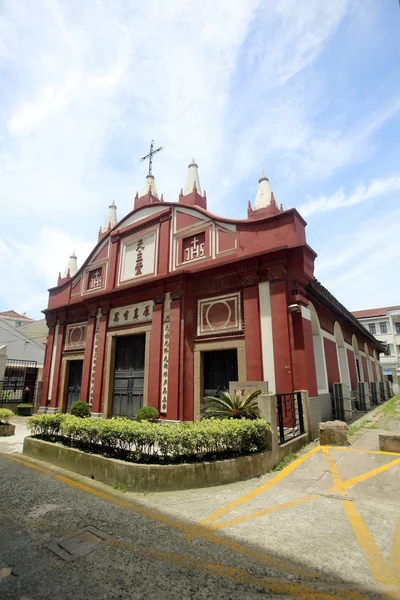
(145, 442)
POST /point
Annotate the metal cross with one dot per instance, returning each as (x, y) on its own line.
(150, 155)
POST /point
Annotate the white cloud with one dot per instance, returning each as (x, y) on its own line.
(360, 266)
(375, 189)
(91, 83)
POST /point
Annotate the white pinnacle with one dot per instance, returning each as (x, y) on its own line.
(72, 266)
(150, 183)
(264, 193)
(191, 179)
(111, 220)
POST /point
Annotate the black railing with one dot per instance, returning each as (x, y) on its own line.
(374, 393)
(290, 417)
(338, 402)
(19, 382)
(382, 391)
(362, 405)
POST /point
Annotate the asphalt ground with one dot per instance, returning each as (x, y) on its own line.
(326, 526)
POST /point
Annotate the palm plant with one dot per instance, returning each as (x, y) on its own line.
(232, 406)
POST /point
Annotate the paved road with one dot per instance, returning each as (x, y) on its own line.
(325, 527)
(287, 535)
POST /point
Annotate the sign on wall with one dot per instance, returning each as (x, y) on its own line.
(138, 257)
(131, 315)
(243, 387)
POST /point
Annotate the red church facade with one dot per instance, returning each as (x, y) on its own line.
(175, 302)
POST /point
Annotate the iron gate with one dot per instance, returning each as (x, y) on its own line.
(362, 405)
(374, 393)
(382, 391)
(19, 383)
(289, 409)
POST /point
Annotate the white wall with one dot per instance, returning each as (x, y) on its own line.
(19, 346)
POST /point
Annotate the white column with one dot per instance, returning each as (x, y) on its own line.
(267, 345)
(53, 360)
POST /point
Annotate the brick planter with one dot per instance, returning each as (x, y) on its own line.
(6, 430)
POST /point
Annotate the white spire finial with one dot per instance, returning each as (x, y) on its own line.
(111, 220)
(264, 193)
(72, 266)
(192, 178)
(149, 184)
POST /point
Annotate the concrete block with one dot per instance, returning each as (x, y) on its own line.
(389, 442)
(333, 433)
(6, 430)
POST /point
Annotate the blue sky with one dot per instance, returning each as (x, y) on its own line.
(308, 91)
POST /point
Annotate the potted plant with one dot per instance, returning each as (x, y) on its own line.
(6, 428)
(24, 409)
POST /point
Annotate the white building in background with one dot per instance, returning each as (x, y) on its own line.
(384, 324)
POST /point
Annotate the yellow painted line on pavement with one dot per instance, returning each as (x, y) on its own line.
(297, 590)
(188, 530)
(259, 490)
(394, 559)
(346, 449)
(262, 512)
(337, 480)
(343, 485)
(379, 568)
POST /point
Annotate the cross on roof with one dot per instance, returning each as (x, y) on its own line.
(150, 156)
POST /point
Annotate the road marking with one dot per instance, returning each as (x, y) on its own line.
(259, 490)
(188, 530)
(346, 449)
(337, 480)
(262, 512)
(379, 568)
(297, 590)
(343, 485)
(394, 559)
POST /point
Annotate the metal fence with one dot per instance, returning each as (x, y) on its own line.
(290, 417)
(19, 383)
(374, 393)
(361, 402)
(338, 402)
(382, 391)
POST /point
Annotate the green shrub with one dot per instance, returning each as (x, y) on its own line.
(25, 405)
(143, 441)
(147, 413)
(5, 415)
(47, 426)
(80, 409)
(233, 406)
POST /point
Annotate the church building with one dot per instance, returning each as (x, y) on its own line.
(175, 302)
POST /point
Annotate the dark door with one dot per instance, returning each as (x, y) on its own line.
(128, 375)
(220, 367)
(74, 382)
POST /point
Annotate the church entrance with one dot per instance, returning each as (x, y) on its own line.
(128, 375)
(220, 367)
(74, 382)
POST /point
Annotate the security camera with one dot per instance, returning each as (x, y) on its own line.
(294, 308)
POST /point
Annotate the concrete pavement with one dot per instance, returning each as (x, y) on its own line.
(326, 526)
